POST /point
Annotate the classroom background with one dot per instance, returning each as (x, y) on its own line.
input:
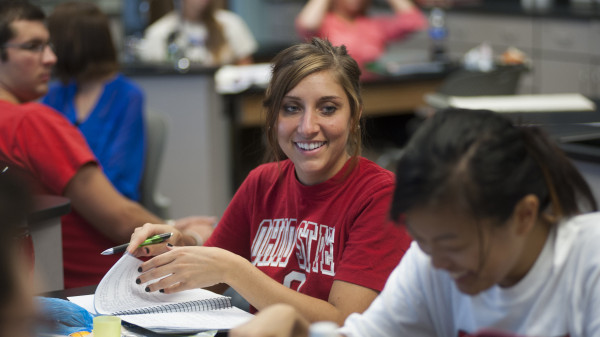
(211, 143)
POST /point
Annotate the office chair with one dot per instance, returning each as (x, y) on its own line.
(151, 199)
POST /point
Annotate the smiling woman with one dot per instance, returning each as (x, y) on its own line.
(503, 245)
(313, 127)
(309, 229)
(324, 101)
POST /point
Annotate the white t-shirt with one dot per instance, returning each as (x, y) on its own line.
(559, 296)
(190, 37)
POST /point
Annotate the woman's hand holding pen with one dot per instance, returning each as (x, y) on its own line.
(186, 268)
(140, 234)
(189, 231)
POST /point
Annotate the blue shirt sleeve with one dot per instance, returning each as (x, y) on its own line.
(123, 153)
(115, 130)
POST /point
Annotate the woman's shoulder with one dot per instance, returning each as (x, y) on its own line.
(164, 25)
(56, 85)
(271, 170)
(367, 181)
(577, 240)
(227, 15)
(267, 174)
(55, 94)
(584, 227)
(232, 22)
(126, 85)
(577, 254)
(367, 170)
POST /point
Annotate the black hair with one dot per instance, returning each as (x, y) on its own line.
(294, 64)
(11, 11)
(481, 160)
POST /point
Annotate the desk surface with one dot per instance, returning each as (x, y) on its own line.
(63, 294)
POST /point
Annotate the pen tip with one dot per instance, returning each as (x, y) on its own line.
(106, 252)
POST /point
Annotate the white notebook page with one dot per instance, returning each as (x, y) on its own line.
(118, 291)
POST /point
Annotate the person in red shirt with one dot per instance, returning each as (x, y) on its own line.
(310, 228)
(38, 142)
(346, 22)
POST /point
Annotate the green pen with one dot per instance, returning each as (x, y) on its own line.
(149, 241)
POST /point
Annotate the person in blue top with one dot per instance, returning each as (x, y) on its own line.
(92, 94)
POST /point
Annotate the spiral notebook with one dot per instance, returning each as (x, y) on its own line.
(183, 312)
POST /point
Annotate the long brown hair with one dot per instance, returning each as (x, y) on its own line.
(297, 62)
(215, 41)
(82, 40)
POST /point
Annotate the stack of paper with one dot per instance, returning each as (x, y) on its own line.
(524, 103)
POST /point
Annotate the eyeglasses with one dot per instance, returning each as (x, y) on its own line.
(34, 46)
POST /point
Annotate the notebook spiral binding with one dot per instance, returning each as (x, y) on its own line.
(202, 305)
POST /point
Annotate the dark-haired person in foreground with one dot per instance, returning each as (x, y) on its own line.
(52, 153)
(503, 244)
(18, 310)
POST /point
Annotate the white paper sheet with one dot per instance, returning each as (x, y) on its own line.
(524, 103)
(118, 291)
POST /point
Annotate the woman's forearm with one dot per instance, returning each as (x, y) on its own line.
(312, 14)
(261, 291)
(401, 5)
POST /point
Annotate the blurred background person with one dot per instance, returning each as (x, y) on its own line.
(347, 22)
(17, 307)
(107, 107)
(52, 154)
(200, 31)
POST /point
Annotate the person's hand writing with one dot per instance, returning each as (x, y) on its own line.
(186, 268)
(279, 320)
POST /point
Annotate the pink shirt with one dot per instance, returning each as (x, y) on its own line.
(366, 38)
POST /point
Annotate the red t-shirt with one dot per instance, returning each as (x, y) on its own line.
(366, 37)
(44, 146)
(305, 237)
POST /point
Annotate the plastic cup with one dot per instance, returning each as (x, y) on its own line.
(107, 326)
